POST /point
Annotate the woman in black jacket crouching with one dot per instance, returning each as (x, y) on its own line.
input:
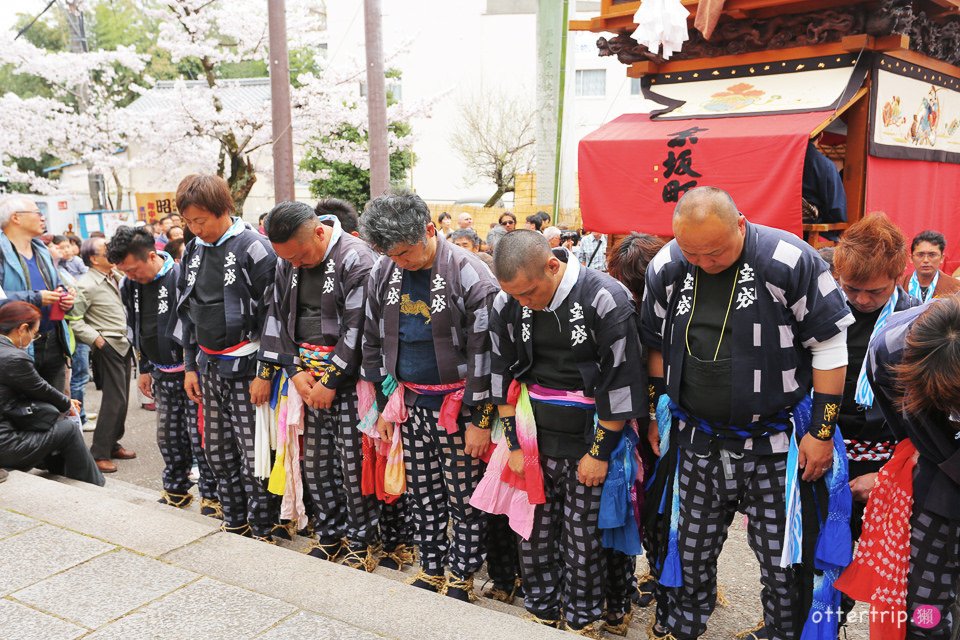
(32, 434)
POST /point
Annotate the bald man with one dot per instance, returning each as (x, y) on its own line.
(740, 320)
(568, 334)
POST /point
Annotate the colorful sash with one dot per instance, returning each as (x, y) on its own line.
(558, 397)
(501, 491)
(169, 368)
(878, 573)
(452, 400)
(618, 500)
(245, 348)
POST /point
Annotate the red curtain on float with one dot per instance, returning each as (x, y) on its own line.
(917, 196)
(633, 169)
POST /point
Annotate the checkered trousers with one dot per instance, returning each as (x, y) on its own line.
(620, 581)
(332, 461)
(179, 439)
(441, 477)
(934, 575)
(559, 562)
(708, 502)
(229, 420)
(503, 560)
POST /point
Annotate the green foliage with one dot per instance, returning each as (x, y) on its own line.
(350, 183)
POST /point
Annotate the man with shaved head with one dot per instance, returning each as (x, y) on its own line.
(741, 321)
(568, 336)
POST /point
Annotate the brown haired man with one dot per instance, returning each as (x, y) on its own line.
(870, 257)
(225, 283)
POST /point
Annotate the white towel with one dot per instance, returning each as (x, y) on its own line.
(661, 23)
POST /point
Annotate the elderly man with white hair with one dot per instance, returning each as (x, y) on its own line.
(27, 273)
(552, 234)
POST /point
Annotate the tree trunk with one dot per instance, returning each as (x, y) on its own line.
(492, 202)
(242, 177)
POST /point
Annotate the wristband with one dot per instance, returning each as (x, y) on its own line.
(604, 442)
(656, 387)
(510, 432)
(482, 415)
(267, 370)
(826, 410)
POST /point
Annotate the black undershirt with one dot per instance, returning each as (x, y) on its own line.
(706, 385)
(562, 432)
(207, 308)
(310, 293)
(853, 421)
(149, 327)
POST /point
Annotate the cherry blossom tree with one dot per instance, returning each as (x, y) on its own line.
(197, 128)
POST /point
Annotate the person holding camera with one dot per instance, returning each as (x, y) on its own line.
(34, 430)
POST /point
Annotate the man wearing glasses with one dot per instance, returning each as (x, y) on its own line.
(27, 273)
(928, 281)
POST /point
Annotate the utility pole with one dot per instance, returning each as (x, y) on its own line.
(376, 100)
(78, 44)
(283, 188)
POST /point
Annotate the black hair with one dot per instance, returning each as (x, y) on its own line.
(58, 239)
(129, 241)
(343, 210)
(931, 236)
(285, 219)
(536, 221)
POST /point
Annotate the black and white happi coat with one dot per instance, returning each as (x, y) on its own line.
(168, 321)
(248, 274)
(933, 433)
(462, 290)
(604, 342)
(346, 267)
(786, 301)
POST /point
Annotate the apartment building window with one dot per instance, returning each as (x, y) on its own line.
(591, 82)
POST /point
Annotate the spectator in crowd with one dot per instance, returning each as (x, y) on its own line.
(176, 220)
(175, 249)
(344, 212)
(175, 233)
(103, 326)
(69, 256)
(544, 218)
(27, 273)
(446, 224)
(469, 240)
(506, 223)
(80, 360)
(534, 222)
(465, 221)
(47, 439)
(928, 281)
(260, 226)
(552, 234)
(162, 227)
(592, 251)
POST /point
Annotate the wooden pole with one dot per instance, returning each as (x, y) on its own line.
(376, 100)
(283, 188)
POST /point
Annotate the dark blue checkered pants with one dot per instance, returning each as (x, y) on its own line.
(934, 575)
(441, 477)
(708, 502)
(178, 437)
(229, 421)
(562, 562)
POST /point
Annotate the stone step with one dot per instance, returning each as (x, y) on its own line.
(137, 495)
(376, 602)
(145, 498)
